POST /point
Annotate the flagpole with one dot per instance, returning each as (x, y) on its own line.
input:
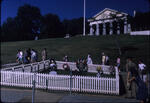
(84, 21)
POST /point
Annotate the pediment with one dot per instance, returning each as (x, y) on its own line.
(108, 14)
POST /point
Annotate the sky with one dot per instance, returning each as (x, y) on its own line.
(70, 9)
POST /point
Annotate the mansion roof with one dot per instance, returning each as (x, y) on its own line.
(107, 14)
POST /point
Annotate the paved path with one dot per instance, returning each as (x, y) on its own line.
(25, 96)
(95, 99)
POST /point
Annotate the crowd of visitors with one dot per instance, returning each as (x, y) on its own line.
(29, 56)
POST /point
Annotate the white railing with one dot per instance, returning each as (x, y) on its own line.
(145, 32)
(61, 82)
(34, 67)
(91, 67)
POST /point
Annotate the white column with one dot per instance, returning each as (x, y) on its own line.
(125, 26)
(97, 29)
(91, 30)
(118, 28)
(104, 29)
(129, 28)
(111, 29)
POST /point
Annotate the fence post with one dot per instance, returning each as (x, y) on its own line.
(117, 80)
(46, 84)
(23, 68)
(44, 65)
(70, 81)
(31, 67)
(33, 88)
(38, 66)
(13, 69)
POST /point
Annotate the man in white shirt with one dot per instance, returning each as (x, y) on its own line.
(142, 70)
(20, 56)
(33, 55)
(89, 60)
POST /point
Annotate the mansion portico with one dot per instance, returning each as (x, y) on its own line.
(109, 22)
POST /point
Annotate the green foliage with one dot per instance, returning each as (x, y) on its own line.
(51, 26)
(75, 26)
(141, 21)
(29, 20)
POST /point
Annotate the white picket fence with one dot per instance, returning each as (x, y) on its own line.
(61, 82)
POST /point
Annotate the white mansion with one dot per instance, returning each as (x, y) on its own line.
(109, 21)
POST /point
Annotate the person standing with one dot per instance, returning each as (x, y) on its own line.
(29, 55)
(141, 90)
(107, 60)
(25, 58)
(89, 60)
(103, 58)
(130, 86)
(118, 63)
(21, 56)
(44, 54)
(33, 55)
(142, 71)
(65, 58)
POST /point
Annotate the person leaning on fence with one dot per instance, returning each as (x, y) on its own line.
(25, 58)
(19, 57)
(65, 58)
(112, 69)
(106, 60)
(103, 58)
(99, 71)
(33, 55)
(130, 86)
(53, 65)
(141, 90)
(29, 55)
(142, 71)
(81, 64)
(89, 60)
(118, 63)
(36, 56)
(44, 54)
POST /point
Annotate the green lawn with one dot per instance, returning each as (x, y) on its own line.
(77, 47)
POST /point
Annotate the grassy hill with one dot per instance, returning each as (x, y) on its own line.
(77, 47)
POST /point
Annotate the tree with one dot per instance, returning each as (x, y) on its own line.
(140, 21)
(52, 26)
(10, 30)
(29, 18)
(75, 26)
